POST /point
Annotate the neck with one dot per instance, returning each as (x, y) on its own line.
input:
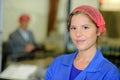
(23, 29)
(86, 55)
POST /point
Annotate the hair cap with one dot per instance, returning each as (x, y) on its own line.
(94, 14)
(24, 18)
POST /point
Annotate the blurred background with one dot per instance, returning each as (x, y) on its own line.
(48, 24)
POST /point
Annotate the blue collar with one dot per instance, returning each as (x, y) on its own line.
(95, 64)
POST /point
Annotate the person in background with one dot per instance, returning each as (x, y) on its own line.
(22, 40)
(85, 25)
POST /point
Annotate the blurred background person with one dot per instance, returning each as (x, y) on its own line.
(22, 41)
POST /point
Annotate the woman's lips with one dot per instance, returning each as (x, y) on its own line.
(79, 41)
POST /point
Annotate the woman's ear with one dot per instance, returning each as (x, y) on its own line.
(100, 30)
(98, 33)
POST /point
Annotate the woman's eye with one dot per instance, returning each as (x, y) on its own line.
(85, 27)
(73, 28)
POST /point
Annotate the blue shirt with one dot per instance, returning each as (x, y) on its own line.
(98, 69)
(24, 34)
(74, 72)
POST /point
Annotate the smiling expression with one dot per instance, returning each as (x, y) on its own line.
(83, 32)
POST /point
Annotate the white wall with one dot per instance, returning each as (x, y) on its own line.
(37, 9)
(76, 3)
(111, 5)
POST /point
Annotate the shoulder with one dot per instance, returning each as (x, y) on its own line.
(110, 68)
(30, 31)
(105, 64)
(59, 63)
(109, 65)
(63, 58)
(15, 33)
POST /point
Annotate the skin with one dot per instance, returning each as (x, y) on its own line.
(84, 34)
(24, 25)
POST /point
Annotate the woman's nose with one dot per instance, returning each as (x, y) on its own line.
(78, 33)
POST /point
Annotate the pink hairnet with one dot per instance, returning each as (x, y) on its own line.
(94, 14)
(24, 18)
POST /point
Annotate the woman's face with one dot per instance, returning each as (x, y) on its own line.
(83, 32)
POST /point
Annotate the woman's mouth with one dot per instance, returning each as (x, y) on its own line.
(80, 41)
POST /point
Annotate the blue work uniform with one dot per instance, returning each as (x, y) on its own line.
(98, 69)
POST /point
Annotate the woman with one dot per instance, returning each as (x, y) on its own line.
(85, 26)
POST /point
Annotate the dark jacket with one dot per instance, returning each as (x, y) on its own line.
(17, 42)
